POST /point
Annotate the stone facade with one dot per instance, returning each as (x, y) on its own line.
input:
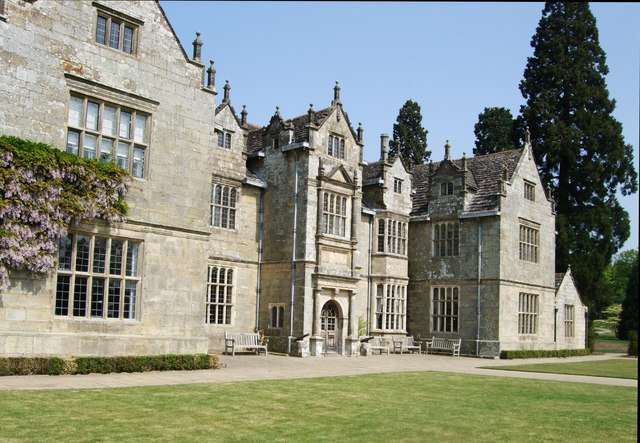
(282, 228)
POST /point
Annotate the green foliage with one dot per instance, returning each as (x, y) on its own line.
(106, 365)
(44, 191)
(591, 337)
(362, 327)
(633, 343)
(409, 137)
(495, 131)
(579, 146)
(629, 314)
(510, 355)
(617, 275)
(616, 368)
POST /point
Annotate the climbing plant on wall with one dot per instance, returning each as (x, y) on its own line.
(43, 191)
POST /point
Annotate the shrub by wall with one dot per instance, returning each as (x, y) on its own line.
(633, 343)
(509, 355)
(105, 365)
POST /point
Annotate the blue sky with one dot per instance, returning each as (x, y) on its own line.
(454, 59)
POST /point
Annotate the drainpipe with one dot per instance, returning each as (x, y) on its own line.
(293, 248)
(260, 234)
(479, 283)
(369, 275)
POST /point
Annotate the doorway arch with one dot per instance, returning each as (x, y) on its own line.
(330, 326)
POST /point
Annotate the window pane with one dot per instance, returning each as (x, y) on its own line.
(99, 255)
(141, 129)
(123, 155)
(93, 115)
(89, 146)
(137, 168)
(114, 36)
(80, 292)
(130, 293)
(125, 125)
(82, 253)
(127, 43)
(101, 30)
(106, 150)
(97, 297)
(115, 259)
(64, 252)
(109, 120)
(73, 142)
(113, 308)
(132, 260)
(62, 295)
(75, 112)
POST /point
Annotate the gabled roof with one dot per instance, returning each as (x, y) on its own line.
(374, 170)
(484, 173)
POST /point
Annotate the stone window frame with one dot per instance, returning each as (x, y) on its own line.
(336, 146)
(569, 321)
(446, 239)
(397, 185)
(223, 206)
(106, 20)
(391, 307)
(446, 188)
(529, 242)
(219, 302)
(334, 214)
(445, 309)
(126, 143)
(223, 139)
(528, 313)
(529, 191)
(96, 279)
(392, 236)
(276, 315)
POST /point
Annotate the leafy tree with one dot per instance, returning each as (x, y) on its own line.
(629, 314)
(617, 275)
(409, 137)
(495, 131)
(578, 144)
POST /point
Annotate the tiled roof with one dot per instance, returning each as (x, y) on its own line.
(559, 278)
(484, 175)
(372, 171)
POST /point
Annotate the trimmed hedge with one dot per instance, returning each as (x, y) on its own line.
(510, 355)
(106, 365)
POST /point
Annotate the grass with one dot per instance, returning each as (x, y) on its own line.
(404, 407)
(617, 368)
(606, 341)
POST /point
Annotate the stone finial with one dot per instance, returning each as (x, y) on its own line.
(197, 47)
(310, 114)
(336, 94)
(384, 147)
(211, 76)
(277, 113)
(243, 115)
(447, 151)
(227, 93)
(527, 136)
(359, 133)
(464, 161)
(505, 172)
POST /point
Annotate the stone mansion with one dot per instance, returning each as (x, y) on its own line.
(281, 227)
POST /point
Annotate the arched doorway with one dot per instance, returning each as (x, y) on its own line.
(329, 326)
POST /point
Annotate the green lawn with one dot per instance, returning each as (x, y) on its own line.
(404, 407)
(617, 368)
(606, 341)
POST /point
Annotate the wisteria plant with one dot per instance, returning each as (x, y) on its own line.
(43, 191)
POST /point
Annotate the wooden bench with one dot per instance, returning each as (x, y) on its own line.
(377, 344)
(406, 344)
(237, 341)
(444, 344)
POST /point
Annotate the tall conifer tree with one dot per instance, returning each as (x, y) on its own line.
(409, 137)
(578, 144)
(495, 131)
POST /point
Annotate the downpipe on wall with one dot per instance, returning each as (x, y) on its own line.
(260, 235)
(293, 249)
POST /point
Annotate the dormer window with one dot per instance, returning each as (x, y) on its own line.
(116, 33)
(336, 147)
(446, 188)
(397, 186)
(275, 143)
(529, 191)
